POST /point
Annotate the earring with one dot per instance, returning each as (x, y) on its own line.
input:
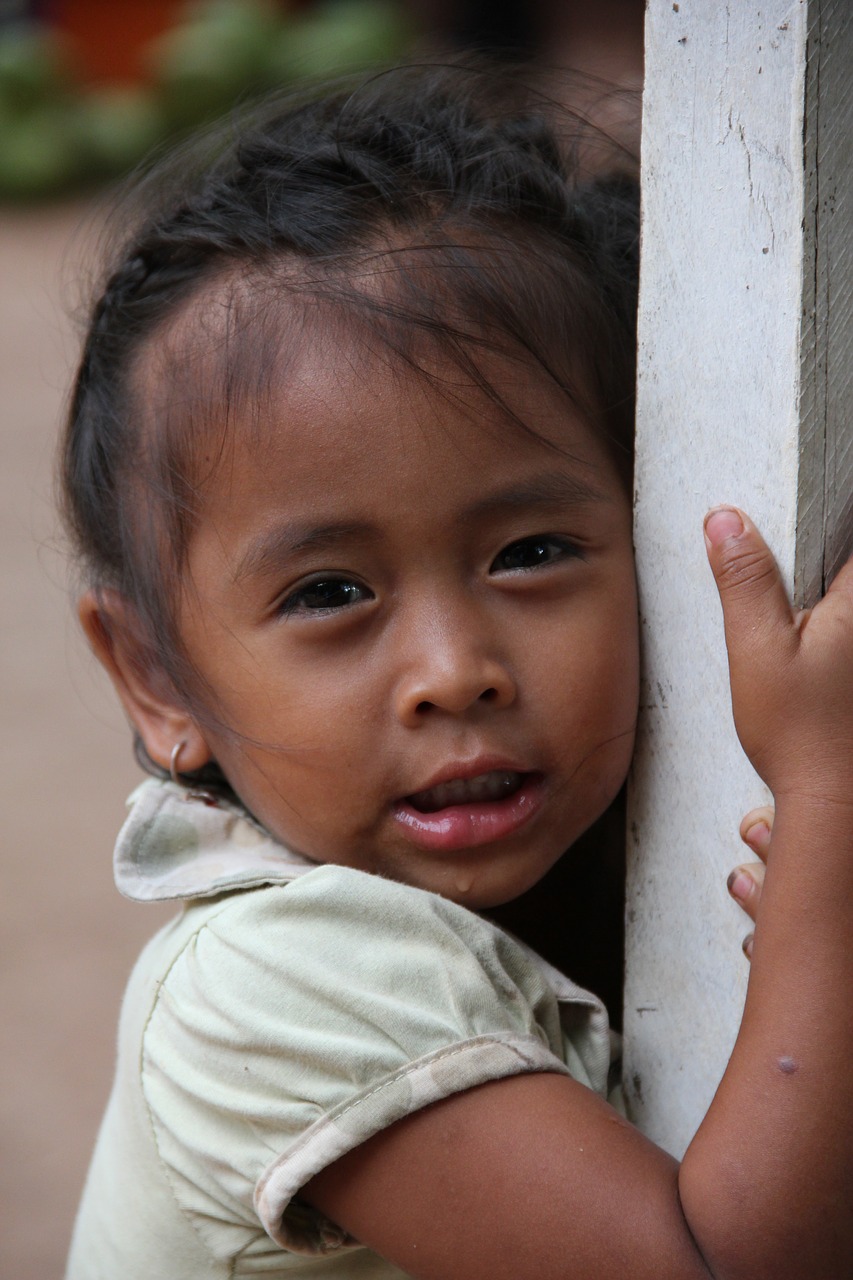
(173, 762)
(190, 792)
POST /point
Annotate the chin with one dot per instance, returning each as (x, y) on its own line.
(482, 890)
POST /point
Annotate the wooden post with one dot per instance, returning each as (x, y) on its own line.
(745, 376)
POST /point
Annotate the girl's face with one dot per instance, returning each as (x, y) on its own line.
(419, 623)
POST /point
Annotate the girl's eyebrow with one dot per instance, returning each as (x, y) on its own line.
(548, 489)
(266, 553)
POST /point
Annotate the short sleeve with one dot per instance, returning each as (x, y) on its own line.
(300, 1020)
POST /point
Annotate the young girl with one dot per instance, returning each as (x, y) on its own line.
(348, 463)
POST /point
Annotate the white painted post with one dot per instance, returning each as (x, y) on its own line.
(745, 375)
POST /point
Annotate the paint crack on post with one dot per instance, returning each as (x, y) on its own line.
(741, 133)
(766, 207)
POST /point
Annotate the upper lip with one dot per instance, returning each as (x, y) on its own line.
(465, 769)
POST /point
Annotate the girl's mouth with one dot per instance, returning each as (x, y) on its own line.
(466, 812)
(497, 785)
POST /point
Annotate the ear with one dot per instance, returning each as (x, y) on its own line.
(155, 709)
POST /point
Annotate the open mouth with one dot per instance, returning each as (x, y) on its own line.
(463, 813)
(499, 784)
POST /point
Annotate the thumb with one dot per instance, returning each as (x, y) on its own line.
(756, 610)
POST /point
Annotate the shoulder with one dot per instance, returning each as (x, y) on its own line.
(296, 1021)
(349, 904)
(337, 929)
(342, 979)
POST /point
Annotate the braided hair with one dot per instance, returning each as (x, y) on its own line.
(435, 205)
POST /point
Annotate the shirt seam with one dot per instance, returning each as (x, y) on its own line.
(182, 1209)
(514, 1042)
(438, 1055)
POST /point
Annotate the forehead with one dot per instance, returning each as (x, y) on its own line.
(257, 386)
(343, 416)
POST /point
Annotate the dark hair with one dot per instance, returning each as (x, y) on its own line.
(477, 193)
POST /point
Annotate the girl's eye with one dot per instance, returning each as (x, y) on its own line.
(530, 553)
(325, 594)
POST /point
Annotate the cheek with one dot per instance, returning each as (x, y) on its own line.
(621, 654)
(619, 670)
(594, 687)
(274, 703)
(292, 739)
(618, 677)
(600, 650)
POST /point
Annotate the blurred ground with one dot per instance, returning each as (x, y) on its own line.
(67, 939)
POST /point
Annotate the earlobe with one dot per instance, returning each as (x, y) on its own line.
(158, 714)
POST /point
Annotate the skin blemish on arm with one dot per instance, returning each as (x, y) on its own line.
(788, 1066)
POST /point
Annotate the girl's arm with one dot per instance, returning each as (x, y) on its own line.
(792, 694)
(535, 1176)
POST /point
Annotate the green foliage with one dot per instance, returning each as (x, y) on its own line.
(218, 54)
(116, 127)
(38, 142)
(55, 134)
(337, 37)
(39, 151)
(35, 67)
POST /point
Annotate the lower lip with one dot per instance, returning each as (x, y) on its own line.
(465, 826)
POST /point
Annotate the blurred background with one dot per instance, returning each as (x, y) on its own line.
(87, 89)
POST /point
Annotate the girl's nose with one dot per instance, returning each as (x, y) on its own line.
(451, 674)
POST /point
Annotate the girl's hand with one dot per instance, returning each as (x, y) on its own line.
(791, 671)
(746, 882)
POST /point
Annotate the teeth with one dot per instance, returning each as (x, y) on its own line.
(488, 786)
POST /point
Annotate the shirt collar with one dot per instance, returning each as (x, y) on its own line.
(175, 844)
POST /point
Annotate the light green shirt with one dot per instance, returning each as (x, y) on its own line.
(291, 1011)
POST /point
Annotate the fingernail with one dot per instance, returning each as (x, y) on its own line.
(757, 836)
(722, 523)
(747, 945)
(739, 885)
